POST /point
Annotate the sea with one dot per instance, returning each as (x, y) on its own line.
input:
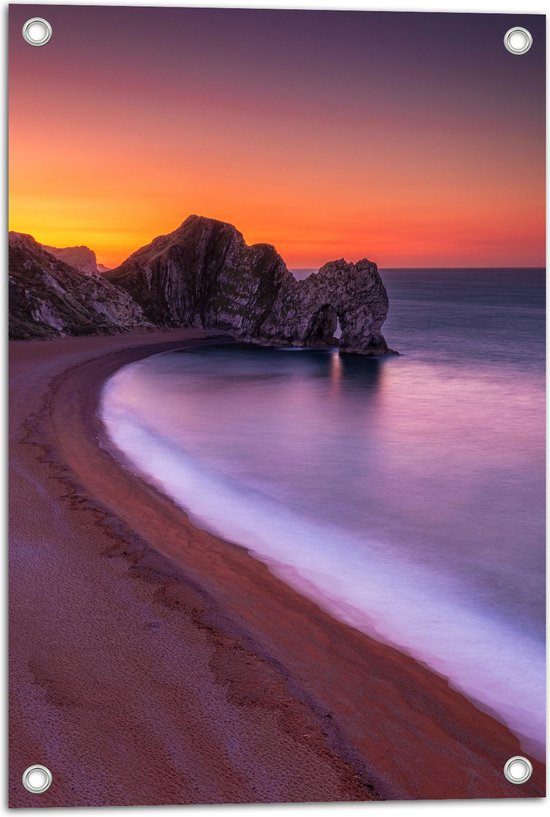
(405, 494)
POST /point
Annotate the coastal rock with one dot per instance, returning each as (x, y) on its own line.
(81, 258)
(205, 275)
(49, 298)
(351, 296)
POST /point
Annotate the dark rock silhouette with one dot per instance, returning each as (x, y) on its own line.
(205, 275)
(308, 312)
(49, 298)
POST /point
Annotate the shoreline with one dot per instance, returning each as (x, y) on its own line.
(284, 703)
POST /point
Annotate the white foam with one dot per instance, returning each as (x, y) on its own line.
(423, 613)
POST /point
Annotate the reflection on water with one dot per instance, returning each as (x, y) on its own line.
(405, 494)
(336, 371)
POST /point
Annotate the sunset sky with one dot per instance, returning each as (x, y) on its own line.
(413, 139)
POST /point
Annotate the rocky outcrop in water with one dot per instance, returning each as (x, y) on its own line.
(308, 312)
(49, 298)
(205, 275)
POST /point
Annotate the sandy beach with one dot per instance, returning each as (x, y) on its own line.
(154, 663)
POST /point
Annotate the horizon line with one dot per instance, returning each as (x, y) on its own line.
(531, 266)
(310, 268)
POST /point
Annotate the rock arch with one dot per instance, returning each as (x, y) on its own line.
(204, 274)
(306, 313)
(322, 326)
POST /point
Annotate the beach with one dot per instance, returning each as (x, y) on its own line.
(152, 662)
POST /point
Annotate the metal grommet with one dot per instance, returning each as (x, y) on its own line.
(518, 40)
(518, 769)
(37, 779)
(37, 31)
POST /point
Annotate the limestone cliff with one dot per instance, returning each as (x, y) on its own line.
(307, 312)
(49, 298)
(204, 274)
(81, 258)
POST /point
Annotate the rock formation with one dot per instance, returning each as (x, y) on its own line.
(48, 298)
(306, 313)
(205, 275)
(81, 258)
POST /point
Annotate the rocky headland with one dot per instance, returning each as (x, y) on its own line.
(202, 275)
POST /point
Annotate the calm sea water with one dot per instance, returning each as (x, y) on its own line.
(405, 495)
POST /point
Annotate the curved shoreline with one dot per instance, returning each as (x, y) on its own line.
(392, 600)
(288, 703)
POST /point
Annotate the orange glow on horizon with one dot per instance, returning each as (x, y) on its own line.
(119, 164)
(397, 208)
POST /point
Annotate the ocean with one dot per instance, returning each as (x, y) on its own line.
(405, 495)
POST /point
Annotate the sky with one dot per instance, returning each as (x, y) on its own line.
(411, 139)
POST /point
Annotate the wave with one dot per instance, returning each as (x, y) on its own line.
(388, 597)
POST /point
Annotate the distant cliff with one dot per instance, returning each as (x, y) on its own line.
(48, 298)
(81, 258)
(204, 275)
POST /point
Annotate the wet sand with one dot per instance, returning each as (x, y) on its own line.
(154, 663)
